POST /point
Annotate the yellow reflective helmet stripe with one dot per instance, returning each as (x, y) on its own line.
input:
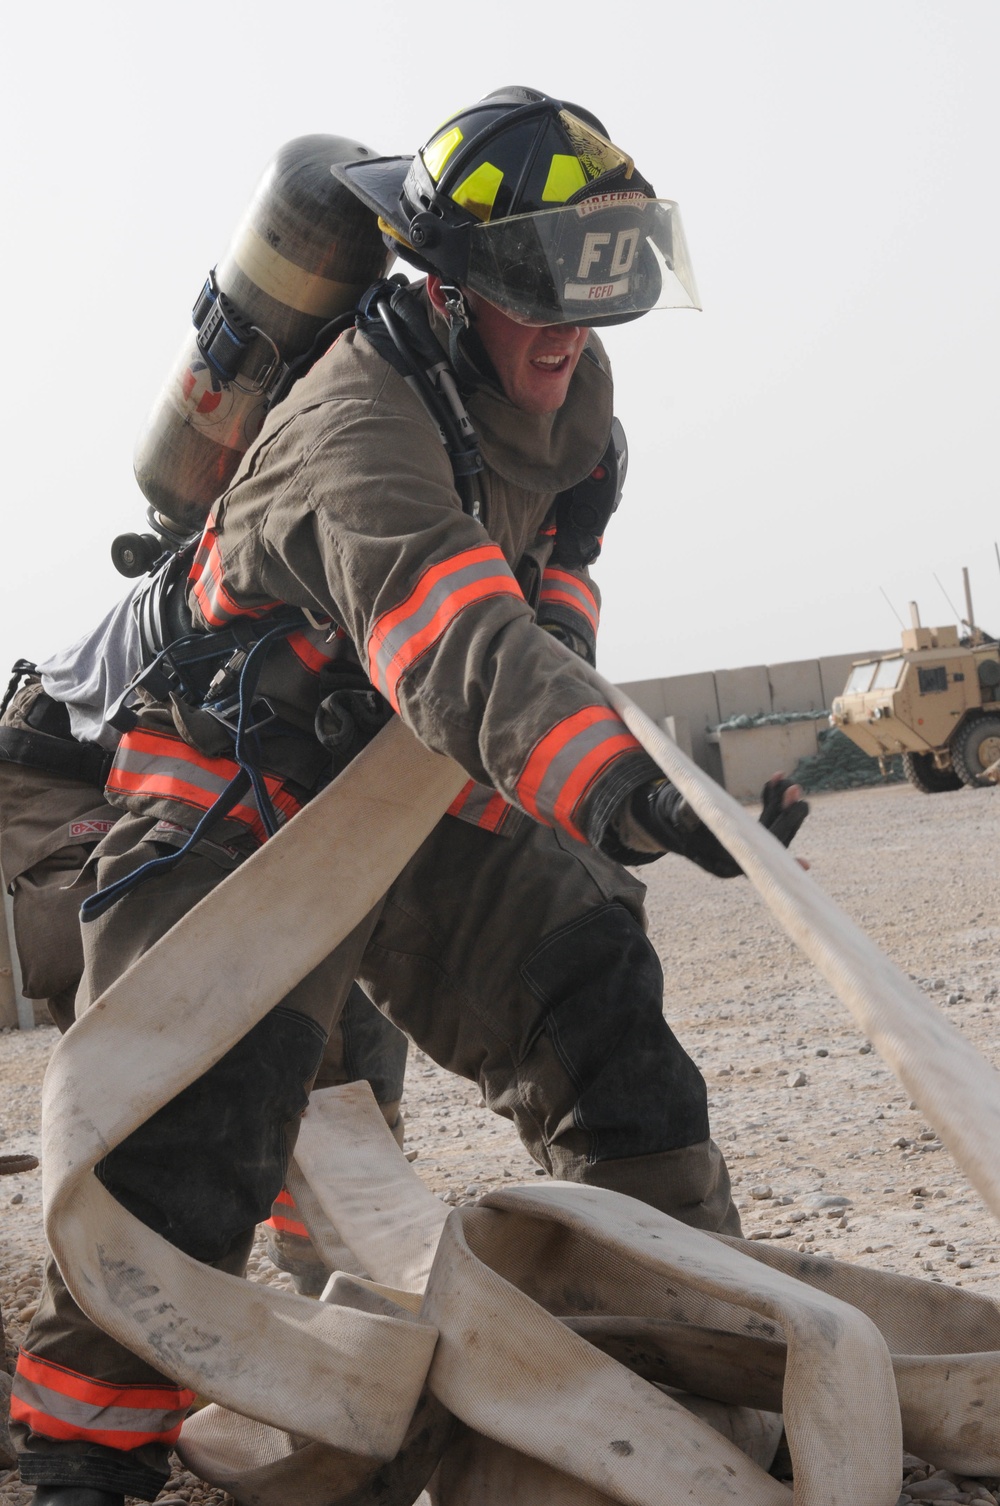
(437, 152)
(478, 192)
(566, 175)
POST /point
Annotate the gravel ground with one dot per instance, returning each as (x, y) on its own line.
(804, 1109)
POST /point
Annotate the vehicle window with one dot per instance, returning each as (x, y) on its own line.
(887, 674)
(859, 680)
(932, 678)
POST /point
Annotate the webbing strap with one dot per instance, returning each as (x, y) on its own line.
(63, 756)
(20, 670)
(99, 903)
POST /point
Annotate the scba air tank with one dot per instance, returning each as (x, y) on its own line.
(304, 253)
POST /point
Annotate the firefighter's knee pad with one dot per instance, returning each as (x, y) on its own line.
(636, 1090)
(207, 1166)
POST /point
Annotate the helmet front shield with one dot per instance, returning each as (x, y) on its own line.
(605, 259)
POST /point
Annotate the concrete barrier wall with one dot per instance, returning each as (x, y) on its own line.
(15, 1009)
(693, 701)
(743, 692)
(699, 702)
(8, 989)
(750, 755)
(798, 687)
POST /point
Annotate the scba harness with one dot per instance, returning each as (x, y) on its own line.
(215, 673)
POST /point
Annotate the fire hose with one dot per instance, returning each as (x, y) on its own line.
(350, 1372)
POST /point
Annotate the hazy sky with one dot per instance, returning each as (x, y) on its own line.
(824, 432)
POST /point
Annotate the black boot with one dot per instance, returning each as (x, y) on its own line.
(75, 1495)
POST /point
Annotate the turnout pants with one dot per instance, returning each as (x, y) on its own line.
(518, 962)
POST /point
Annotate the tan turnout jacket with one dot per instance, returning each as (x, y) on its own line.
(346, 506)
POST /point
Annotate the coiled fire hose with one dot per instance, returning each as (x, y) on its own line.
(350, 1376)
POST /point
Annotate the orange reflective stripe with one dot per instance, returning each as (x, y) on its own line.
(478, 805)
(61, 1403)
(311, 655)
(494, 814)
(217, 606)
(570, 591)
(283, 1224)
(455, 808)
(162, 766)
(287, 1226)
(400, 636)
(564, 764)
(587, 770)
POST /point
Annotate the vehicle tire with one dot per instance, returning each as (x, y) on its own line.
(922, 772)
(976, 746)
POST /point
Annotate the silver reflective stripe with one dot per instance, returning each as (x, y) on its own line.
(161, 765)
(571, 587)
(437, 597)
(89, 1418)
(572, 754)
(475, 805)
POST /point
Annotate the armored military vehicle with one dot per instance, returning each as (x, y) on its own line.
(936, 702)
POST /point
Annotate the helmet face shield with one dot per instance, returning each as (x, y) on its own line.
(605, 259)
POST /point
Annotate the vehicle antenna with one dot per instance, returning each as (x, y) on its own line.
(970, 621)
(892, 608)
(948, 599)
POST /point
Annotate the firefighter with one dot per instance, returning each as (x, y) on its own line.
(512, 947)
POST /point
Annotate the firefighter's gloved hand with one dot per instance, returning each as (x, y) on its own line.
(664, 815)
(784, 810)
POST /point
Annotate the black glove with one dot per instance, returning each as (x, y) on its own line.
(664, 814)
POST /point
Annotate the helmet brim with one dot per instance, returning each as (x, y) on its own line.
(378, 183)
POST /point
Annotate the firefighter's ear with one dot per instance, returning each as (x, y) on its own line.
(434, 292)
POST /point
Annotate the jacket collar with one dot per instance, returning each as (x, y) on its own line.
(545, 452)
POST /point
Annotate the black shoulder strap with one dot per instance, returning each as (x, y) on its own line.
(392, 319)
(322, 341)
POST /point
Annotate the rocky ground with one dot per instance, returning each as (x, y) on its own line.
(826, 1149)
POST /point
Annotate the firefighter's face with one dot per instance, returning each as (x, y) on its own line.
(535, 364)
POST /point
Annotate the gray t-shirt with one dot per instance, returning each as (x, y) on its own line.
(90, 675)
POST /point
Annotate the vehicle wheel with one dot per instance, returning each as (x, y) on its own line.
(922, 772)
(976, 746)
